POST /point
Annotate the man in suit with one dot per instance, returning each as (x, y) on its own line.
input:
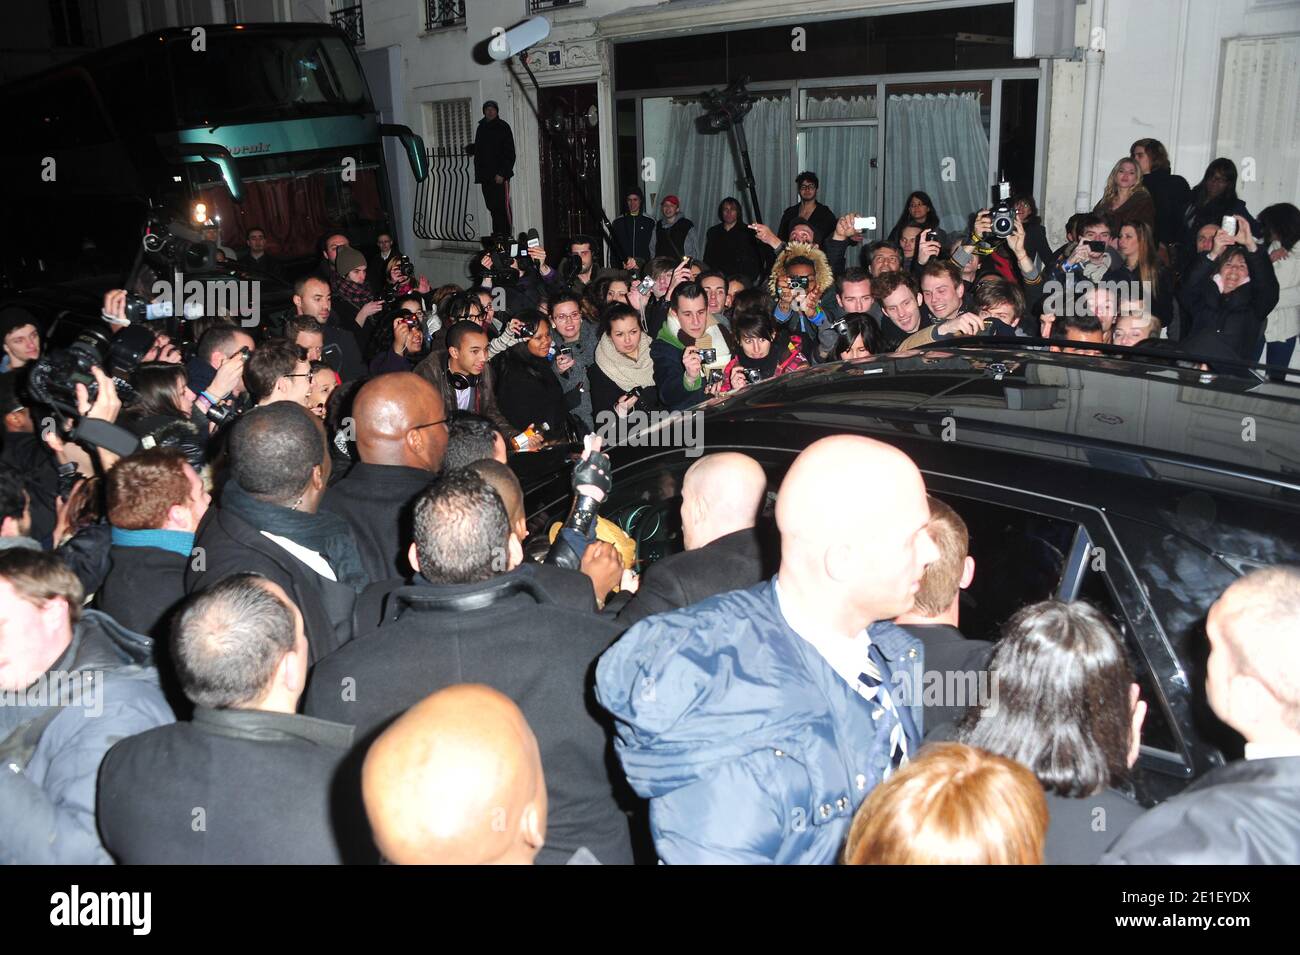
(401, 433)
(472, 617)
(268, 522)
(721, 498)
(933, 620)
(1244, 813)
(255, 774)
(457, 780)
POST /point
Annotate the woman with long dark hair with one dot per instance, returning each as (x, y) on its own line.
(1214, 198)
(397, 343)
(163, 409)
(1067, 708)
(622, 377)
(859, 338)
(1281, 227)
(918, 211)
(528, 392)
(764, 351)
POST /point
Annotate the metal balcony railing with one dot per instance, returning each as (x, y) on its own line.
(537, 6)
(444, 200)
(443, 13)
(351, 22)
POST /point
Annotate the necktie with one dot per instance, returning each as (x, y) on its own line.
(874, 689)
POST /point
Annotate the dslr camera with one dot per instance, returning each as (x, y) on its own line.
(1003, 216)
(54, 376)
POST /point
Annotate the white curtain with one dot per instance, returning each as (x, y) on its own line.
(702, 170)
(936, 143)
(841, 155)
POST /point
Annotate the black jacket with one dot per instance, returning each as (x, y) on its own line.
(376, 501)
(948, 651)
(229, 787)
(1171, 195)
(506, 633)
(634, 234)
(732, 251)
(494, 150)
(433, 369)
(30, 456)
(1238, 318)
(1244, 813)
(143, 587)
(231, 545)
(529, 393)
(1079, 830)
(736, 561)
(822, 221)
(605, 394)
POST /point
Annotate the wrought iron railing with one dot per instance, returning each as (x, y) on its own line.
(443, 13)
(537, 6)
(351, 22)
(443, 202)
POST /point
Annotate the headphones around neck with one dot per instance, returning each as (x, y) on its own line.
(460, 381)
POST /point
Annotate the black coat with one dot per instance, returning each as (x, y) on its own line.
(822, 221)
(1171, 195)
(494, 150)
(634, 235)
(30, 456)
(231, 545)
(1079, 830)
(529, 393)
(230, 787)
(732, 251)
(376, 501)
(143, 587)
(1238, 318)
(736, 561)
(506, 633)
(605, 394)
(948, 651)
(1244, 813)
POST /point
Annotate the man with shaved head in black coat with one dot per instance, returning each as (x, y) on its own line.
(401, 439)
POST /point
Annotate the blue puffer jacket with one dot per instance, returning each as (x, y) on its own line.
(749, 746)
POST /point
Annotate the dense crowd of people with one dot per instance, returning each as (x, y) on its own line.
(314, 623)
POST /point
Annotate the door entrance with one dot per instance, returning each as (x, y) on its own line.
(570, 113)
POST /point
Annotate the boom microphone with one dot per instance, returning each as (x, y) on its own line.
(518, 38)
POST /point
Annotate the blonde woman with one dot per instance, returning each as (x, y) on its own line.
(1125, 197)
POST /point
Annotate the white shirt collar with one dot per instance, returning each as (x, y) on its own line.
(1271, 750)
(847, 656)
(309, 557)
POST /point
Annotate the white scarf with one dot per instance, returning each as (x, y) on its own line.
(714, 333)
(626, 373)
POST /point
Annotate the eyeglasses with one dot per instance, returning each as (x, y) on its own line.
(420, 427)
(309, 375)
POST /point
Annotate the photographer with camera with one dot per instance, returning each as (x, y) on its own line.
(575, 350)
(1092, 257)
(529, 393)
(799, 279)
(353, 302)
(622, 377)
(162, 414)
(400, 337)
(402, 281)
(579, 267)
(766, 351)
(690, 350)
(519, 269)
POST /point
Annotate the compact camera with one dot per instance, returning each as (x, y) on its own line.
(708, 356)
(752, 375)
(798, 281)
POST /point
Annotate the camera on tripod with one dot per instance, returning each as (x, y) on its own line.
(165, 246)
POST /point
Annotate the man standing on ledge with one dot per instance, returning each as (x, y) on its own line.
(494, 165)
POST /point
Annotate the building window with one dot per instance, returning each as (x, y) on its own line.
(443, 13)
(350, 20)
(72, 24)
(537, 6)
(445, 206)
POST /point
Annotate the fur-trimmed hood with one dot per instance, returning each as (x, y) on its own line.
(822, 276)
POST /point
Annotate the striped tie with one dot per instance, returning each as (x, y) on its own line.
(872, 680)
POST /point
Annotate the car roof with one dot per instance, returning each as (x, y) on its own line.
(1138, 417)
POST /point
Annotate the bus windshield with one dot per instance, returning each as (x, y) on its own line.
(243, 77)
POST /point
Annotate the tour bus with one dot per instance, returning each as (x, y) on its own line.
(249, 125)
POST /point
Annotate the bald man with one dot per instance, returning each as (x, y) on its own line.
(1244, 813)
(401, 435)
(757, 721)
(457, 780)
(722, 495)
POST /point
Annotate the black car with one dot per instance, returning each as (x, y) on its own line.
(1143, 488)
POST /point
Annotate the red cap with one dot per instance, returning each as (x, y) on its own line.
(673, 199)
